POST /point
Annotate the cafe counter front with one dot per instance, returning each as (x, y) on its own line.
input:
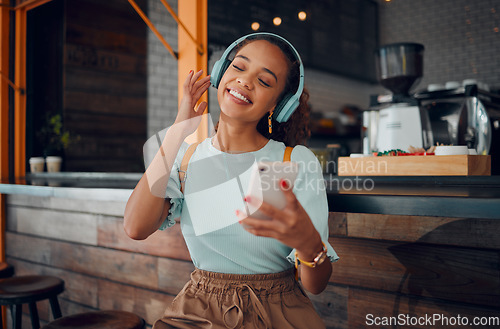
(411, 249)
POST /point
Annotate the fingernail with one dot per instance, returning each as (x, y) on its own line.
(284, 184)
(191, 71)
(247, 199)
(237, 212)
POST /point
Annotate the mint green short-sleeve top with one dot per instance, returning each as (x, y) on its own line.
(215, 185)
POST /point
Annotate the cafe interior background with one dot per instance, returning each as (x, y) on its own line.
(113, 97)
(114, 85)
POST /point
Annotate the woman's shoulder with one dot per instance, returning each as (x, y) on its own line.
(302, 152)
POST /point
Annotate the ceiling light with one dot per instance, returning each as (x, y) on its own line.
(255, 26)
(302, 15)
(277, 21)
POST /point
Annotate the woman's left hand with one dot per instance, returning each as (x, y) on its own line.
(291, 225)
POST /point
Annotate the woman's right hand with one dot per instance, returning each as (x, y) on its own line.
(188, 117)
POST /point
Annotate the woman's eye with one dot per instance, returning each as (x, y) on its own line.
(237, 68)
(264, 83)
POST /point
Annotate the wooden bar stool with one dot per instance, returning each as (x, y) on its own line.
(29, 289)
(99, 320)
(6, 271)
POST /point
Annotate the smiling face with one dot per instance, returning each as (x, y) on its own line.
(253, 82)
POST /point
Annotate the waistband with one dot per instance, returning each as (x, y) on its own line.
(244, 290)
(260, 283)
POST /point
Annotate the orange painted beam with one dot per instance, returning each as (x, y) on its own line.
(4, 93)
(4, 128)
(180, 24)
(20, 98)
(30, 4)
(153, 28)
(4, 119)
(193, 14)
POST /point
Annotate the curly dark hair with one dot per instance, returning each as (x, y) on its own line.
(296, 130)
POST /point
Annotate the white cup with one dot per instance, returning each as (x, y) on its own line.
(451, 150)
(36, 164)
(53, 163)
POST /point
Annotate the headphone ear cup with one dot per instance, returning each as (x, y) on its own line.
(218, 71)
(286, 107)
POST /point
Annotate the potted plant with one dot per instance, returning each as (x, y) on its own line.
(55, 140)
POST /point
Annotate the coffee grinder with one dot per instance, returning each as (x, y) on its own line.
(395, 121)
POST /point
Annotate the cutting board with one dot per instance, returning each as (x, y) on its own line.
(428, 165)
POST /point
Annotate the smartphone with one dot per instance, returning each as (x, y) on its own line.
(264, 184)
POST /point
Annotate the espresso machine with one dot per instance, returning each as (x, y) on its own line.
(459, 115)
(395, 121)
(465, 114)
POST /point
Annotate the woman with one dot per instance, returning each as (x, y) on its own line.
(244, 273)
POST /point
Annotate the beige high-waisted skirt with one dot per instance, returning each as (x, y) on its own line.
(217, 300)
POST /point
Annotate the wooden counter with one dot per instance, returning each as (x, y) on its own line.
(390, 264)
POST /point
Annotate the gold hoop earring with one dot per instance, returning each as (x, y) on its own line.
(269, 122)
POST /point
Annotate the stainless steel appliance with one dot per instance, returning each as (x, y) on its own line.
(396, 121)
(461, 116)
(466, 115)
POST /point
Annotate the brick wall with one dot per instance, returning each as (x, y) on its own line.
(162, 68)
(461, 37)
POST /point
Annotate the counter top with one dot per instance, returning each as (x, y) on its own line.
(85, 186)
(445, 196)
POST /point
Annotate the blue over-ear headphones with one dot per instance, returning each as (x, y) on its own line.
(289, 103)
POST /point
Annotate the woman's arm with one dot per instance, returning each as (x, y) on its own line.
(147, 206)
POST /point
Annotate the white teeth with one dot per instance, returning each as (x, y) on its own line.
(239, 96)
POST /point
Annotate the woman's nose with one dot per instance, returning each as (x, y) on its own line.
(243, 81)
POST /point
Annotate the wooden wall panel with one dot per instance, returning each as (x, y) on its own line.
(106, 263)
(365, 305)
(127, 105)
(470, 232)
(114, 16)
(169, 243)
(331, 305)
(148, 304)
(99, 81)
(113, 126)
(84, 35)
(105, 86)
(455, 274)
(74, 227)
(374, 275)
(173, 275)
(111, 208)
(337, 223)
(103, 60)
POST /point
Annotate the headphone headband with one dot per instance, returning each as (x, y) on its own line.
(290, 102)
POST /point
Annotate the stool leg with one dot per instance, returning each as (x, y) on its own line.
(17, 312)
(3, 323)
(56, 310)
(35, 320)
